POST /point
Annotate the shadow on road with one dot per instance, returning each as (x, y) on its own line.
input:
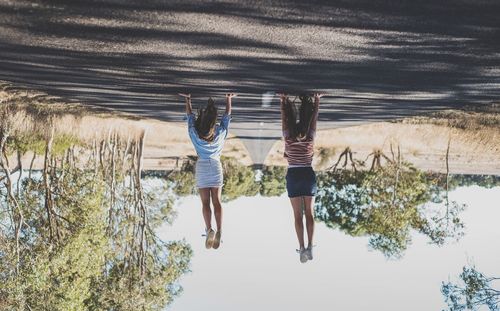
(380, 60)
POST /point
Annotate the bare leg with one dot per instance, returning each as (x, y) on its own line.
(309, 213)
(299, 225)
(205, 201)
(216, 195)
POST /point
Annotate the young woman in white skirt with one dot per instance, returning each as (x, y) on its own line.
(208, 139)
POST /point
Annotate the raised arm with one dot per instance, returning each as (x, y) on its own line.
(229, 103)
(314, 120)
(187, 97)
(284, 125)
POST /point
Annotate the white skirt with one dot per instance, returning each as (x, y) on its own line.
(208, 173)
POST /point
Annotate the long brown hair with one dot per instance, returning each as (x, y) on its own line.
(299, 130)
(205, 121)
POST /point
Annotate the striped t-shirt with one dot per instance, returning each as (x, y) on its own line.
(299, 153)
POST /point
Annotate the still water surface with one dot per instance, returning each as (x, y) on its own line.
(257, 267)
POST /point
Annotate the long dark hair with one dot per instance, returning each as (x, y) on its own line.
(205, 121)
(299, 130)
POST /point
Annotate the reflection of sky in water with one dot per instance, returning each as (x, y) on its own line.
(257, 268)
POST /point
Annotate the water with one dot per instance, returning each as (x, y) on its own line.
(257, 268)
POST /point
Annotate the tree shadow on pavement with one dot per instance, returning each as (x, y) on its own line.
(392, 59)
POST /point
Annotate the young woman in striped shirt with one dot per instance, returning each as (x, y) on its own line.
(300, 178)
(208, 139)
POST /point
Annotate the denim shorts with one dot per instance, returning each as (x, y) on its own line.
(301, 181)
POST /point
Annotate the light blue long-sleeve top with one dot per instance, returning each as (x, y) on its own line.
(212, 149)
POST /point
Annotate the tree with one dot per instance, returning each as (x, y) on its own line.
(273, 182)
(474, 291)
(183, 180)
(385, 204)
(80, 234)
(55, 271)
(441, 224)
(239, 180)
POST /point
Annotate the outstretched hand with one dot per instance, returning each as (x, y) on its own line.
(282, 95)
(229, 102)
(189, 109)
(318, 95)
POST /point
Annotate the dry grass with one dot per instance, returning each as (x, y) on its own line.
(325, 156)
(32, 114)
(41, 103)
(471, 118)
(26, 112)
(474, 138)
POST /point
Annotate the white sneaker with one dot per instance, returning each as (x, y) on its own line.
(303, 255)
(217, 240)
(309, 253)
(209, 241)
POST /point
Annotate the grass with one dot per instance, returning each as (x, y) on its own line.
(43, 105)
(36, 104)
(469, 118)
(325, 155)
(477, 125)
(29, 117)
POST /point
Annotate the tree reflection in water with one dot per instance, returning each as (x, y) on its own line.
(385, 203)
(80, 233)
(473, 291)
(239, 180)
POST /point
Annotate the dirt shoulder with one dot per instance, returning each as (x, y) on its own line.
(424, 145)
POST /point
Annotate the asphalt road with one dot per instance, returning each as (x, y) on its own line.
(378, 60)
